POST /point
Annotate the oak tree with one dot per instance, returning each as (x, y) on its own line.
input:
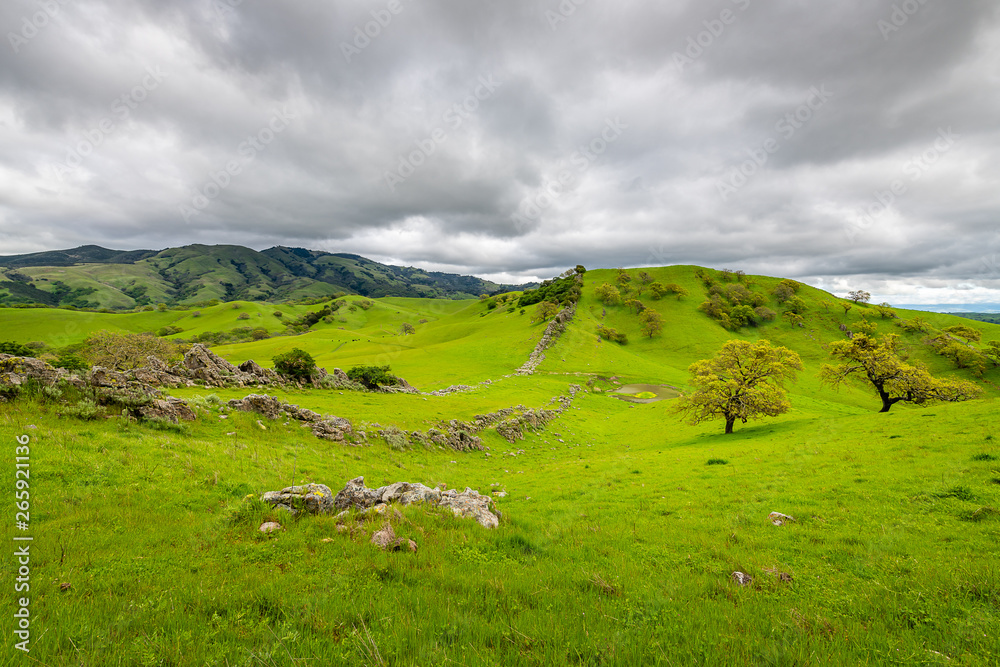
(878, 362)
(743, 381)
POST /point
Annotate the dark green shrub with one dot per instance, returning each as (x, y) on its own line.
(71, 362)
(16, 349)
(295, 363)
(373, 377)
(85, 409)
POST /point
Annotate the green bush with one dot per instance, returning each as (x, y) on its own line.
(295, 363)
(71, 362)
(607, 333)
(372, 377)
(85, 409)
(16, 349)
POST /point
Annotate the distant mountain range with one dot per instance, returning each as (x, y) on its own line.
(94, 277)
(953, 307)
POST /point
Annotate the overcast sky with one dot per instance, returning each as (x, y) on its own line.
(514, 138)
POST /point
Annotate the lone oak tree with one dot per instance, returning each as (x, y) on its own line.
(743, 381)
(893, 379)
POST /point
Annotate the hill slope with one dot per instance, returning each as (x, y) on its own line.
(95, 277)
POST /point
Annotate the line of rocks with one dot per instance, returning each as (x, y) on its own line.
(318, 499)
(327, 427)
(549, 338)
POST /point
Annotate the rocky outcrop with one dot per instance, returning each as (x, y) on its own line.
(202, 364)
(549, 338)
(17, 371)
(468, 503)
(327, 427)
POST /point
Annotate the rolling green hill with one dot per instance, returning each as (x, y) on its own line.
(621, 524)
(94, 277)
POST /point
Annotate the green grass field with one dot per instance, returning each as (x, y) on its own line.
(617, 540)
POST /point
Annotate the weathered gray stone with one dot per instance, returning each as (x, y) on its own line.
(262, 404)
(311, 498)
(356, 494)
(15, 371)
(270, 527)
(332, 428)
(172, 409)
(387, 540)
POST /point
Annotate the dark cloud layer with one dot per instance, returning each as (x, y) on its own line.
(841, 143)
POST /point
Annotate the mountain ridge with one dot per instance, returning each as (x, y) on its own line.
(92, 276)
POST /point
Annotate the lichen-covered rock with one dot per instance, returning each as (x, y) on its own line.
(15, 371)
(386, 539)
(263, 375)
(270, 527)
(262, 404)
(355, 494)
(471, 505)
(209, 367)
(172, 410)
(311, 498)
(332, 428)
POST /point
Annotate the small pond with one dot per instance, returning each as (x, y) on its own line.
(645, 393)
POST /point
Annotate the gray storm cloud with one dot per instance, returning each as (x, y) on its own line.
(838, 143)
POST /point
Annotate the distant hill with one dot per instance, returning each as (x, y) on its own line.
(95, 277)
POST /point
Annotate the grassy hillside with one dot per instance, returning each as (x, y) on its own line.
(619, 534)
(94, 277)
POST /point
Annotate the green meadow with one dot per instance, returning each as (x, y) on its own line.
(619, 533)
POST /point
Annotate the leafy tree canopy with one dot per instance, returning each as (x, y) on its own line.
(879, 363)
(743, 381)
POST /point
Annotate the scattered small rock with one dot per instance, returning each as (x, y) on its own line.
(270, 527)
(779, 519)
(742, 578)
(386, 539)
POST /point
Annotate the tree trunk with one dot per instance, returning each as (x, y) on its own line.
(886, 401)
(729, 424)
